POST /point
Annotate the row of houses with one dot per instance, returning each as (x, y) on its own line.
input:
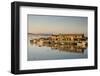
(69, 37)
(77, 39)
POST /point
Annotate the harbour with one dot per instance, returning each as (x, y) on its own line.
(71, 46)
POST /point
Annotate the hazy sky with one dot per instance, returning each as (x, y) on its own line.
(57, 24)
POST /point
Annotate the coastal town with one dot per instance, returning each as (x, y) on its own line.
(76, 42)
(54, 37)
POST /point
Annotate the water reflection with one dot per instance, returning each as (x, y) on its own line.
(61, 47)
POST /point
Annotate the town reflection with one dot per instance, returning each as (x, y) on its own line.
(62, 47)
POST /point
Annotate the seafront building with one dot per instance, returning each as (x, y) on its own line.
(63, 39)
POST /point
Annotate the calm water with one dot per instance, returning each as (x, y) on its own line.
(53, 52)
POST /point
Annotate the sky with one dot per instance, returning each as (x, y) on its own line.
(57, 24)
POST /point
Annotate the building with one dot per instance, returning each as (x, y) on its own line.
(67, 39)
